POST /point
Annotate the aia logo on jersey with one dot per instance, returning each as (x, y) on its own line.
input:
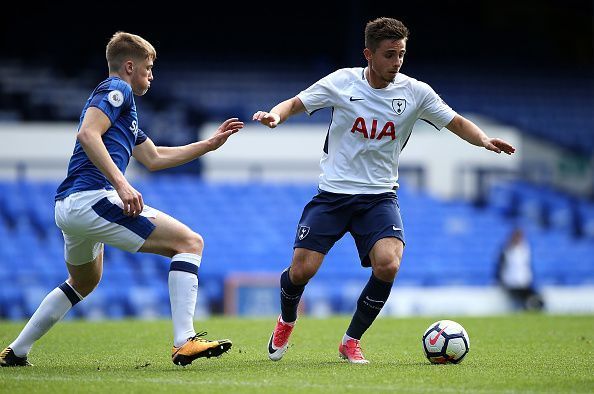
(399, 106)
(371, 131)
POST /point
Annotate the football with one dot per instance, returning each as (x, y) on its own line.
(446, 341)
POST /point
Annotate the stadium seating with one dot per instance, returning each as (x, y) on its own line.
(543, 206)
(249, 229)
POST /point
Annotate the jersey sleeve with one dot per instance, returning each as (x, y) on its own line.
(113, 100)
(140, 137)
(321, 94)
(433, 109)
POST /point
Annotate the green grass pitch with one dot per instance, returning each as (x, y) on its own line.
(520, 353)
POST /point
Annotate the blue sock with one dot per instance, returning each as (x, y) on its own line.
(290, 295)
(370, 303)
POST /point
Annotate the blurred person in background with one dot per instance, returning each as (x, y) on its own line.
(374, 109)
(515, 272)
(96, 204)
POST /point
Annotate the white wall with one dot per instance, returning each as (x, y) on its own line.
(259, 297)
(468, 300)
(44, 147)
(292, 152)
(37, 140)
(47, 145)
(445, 155)
(573, 172)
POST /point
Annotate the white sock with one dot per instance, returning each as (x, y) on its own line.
(183, 289)
(51, 310)
(346, 338)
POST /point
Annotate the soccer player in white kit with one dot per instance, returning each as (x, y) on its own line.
(95, 205)
(374, 109)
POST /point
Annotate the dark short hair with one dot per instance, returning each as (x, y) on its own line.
(383, 28)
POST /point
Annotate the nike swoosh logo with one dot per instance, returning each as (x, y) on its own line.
(433, 340)
(355, 99)
(270, 348)
(396, 228)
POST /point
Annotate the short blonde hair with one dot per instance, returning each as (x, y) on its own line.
(124, 46)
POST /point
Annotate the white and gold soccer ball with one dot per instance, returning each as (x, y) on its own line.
(446, 341)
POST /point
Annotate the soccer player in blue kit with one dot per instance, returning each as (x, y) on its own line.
(96, 205)
(374, 109)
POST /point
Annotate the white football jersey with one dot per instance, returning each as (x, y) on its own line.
(369, 127)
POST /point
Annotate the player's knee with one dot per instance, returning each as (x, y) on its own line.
(300, 277)
(191, 242)
(301, 273)
(85, 285)
(304, 265)
(388, 271)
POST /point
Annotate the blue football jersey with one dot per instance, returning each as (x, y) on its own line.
(115, 98)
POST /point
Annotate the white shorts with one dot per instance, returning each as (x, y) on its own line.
(91, 218)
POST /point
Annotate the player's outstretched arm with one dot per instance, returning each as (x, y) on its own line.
(470, 132)
(280, 112)
(160, 157)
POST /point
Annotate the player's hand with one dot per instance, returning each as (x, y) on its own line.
(498, 145)
(224, 131)
(270, 119)
(131, 200)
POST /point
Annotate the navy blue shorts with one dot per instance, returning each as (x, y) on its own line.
(368, 217)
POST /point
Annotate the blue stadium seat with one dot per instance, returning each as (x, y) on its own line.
(250, 228)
